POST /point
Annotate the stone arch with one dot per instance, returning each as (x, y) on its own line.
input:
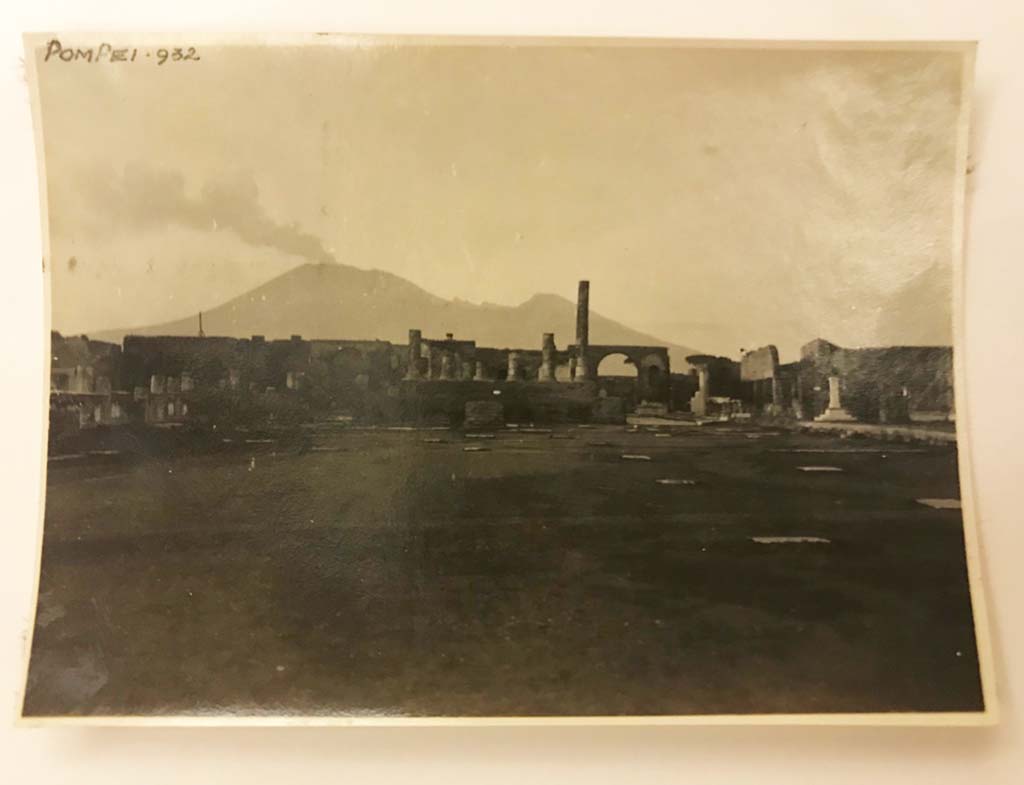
(616, 364)
(652, 375)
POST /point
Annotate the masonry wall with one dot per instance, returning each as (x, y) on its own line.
(80, 365)
(889, 384)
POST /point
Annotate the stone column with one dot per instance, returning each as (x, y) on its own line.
(430, 363)
(447, 367)
(415, 349)
(513, 366)
(583, 369)
(583, 314)
(547, 363)
(481, 374)
(699, 401)
(834, 401)
(156, 384)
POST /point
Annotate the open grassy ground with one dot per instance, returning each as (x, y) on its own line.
(392, 574)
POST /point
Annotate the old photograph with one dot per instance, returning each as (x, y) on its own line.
(503, 378)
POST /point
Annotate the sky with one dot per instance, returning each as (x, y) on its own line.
(717, 198)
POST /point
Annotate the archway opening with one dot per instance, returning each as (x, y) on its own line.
(618, 377)
(654, 375)
(616, 365)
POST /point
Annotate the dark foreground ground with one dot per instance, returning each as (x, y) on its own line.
(387, 572)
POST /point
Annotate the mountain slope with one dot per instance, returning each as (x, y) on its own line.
(337, 301)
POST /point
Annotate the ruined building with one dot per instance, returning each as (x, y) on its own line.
(174, 379)
(896, 384)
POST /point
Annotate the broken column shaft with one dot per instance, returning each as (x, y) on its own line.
(547, 363)
(415, 349)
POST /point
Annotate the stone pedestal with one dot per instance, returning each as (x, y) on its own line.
(835, 411)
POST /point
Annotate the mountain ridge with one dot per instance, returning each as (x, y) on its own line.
(331, 301)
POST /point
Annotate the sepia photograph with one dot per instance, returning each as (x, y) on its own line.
(424, 379)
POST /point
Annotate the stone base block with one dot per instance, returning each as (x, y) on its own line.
(835, 415)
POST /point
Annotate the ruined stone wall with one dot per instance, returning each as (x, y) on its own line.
(759, 364)
(207, 359)
(78, 364)
(887, 384)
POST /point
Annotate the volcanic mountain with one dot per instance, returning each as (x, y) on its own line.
(338, 301)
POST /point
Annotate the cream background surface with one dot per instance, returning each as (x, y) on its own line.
(995, 375)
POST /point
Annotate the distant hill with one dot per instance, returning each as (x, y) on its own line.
(338, 301)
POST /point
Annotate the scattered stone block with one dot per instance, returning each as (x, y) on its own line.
(630, 457)
(675, 481)
(941, 504)
(790, 540)
(819, 468)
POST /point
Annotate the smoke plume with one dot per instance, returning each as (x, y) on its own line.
(145, 196)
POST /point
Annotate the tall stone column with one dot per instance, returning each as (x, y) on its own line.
(583, 369)
(547, 362)
(513, 366)
(415, 349)
(583, 314)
